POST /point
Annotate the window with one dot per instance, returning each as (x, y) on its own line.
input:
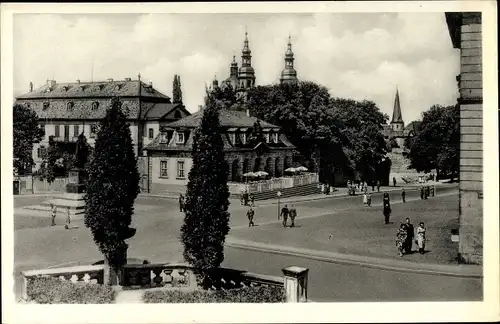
(76, 131)
(57, 134)
(93, 131)
(232, 138)
(69, 106)
(66, 132)
(151, 133)
(180, 138)
(46, 105)
(41, 152)
(275, 137)
(267, 137)
(95, 105)
(180, 169)
(164, 169)
(244, 138)
(163, 138)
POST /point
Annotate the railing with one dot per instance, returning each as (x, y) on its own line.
(273, 184)
(142, 276)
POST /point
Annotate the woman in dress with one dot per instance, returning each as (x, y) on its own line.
(365, 199)
(387, 208)
(401, 239)
(421, 238)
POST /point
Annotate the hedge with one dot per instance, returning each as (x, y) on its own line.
(271, 294)
(50, 290)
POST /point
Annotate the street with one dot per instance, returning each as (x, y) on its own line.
(355, 229)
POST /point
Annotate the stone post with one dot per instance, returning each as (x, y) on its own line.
(296, 284)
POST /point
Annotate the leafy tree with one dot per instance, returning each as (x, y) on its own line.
(112, 186)
(436, 142)
(206, 221)
(26, 132)
(177, 90)
(361, 122)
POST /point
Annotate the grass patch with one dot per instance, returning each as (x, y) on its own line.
(50, 290)
(261, 294)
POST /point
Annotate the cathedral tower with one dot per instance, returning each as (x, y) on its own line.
(246, 75)
(289, 75)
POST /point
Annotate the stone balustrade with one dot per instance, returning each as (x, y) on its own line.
(273, 184)
(143, 276)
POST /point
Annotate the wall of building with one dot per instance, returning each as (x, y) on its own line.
(172, 176)
(471, 142)
(155, 125)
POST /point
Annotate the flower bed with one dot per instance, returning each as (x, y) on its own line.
(50, 290)
(260, 294)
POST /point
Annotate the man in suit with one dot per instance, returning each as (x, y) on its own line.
(409, 237)
(293, 214)
(284, 213)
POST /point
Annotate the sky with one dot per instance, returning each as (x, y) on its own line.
(355, 55)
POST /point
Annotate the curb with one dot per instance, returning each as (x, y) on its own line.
(368, 262)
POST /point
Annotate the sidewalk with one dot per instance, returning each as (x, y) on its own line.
(469, 271)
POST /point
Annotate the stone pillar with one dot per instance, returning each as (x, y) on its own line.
(296, 284)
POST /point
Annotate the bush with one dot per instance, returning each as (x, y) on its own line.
(261, 294)
(50, 290)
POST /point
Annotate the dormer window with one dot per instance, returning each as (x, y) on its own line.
(69, 106)
(46, 105)
(244, 138)
(267, 137)
(163, 138)
(232, 138)
(275, 138)
(180, 138)
(82, 87)
(100, 86)
(95, 105)
(118, 87)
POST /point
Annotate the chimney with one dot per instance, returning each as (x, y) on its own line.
(110, 80)
(150, 83)
(31, 86)
(248, 112)
(51, 84)
(78, 81)
(128, 79)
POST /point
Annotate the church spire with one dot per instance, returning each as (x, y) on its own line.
(289, 75)
(397, 117)
(246, 73)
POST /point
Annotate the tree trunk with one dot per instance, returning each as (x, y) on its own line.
(113, 267)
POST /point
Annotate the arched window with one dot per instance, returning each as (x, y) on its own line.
(69, 106)
(95, 105)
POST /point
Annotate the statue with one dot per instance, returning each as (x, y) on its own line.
(82, 152)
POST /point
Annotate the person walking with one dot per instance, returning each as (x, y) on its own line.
(387, 208)
(242, 199)
(53, 212)
(252, 200)
(433, 189)
(410, 234)
(322, 188)
(293, 215)
(245, 198)
(250, 215)
(373, 186)
(403, 195)
(181, 203)
(369, 200)
(394, 181)
(401, 239)
(378, 186)
(427, 192)
(68, 215)
(365, 198)
(421, 238)
(284, 214)
(422, 192)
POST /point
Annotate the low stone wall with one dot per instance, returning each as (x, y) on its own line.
(142, 276)
(29, 184)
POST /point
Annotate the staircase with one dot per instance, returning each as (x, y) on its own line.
(310, 189)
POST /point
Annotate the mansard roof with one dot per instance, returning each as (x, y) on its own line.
(228, 118)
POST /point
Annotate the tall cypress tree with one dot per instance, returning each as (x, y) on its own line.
(206, 221)
(112, 186)
(176, 90)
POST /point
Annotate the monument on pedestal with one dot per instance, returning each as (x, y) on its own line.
(73, 198)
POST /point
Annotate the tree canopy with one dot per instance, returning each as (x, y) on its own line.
(112, 186)
(436, 143)
(26, 132)
(206, 221)
(177, 90)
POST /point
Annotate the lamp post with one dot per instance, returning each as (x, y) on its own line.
(279, 195)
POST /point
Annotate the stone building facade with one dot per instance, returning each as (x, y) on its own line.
(465, 33)
(169, 155)
(68, 109)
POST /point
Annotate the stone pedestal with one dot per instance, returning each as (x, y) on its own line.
(296, 284)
